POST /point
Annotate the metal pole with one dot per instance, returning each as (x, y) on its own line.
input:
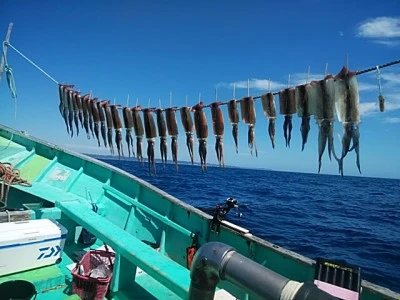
(10, 26)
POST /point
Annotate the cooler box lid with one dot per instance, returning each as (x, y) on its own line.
(23, 232)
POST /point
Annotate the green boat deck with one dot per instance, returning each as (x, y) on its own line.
(54, 282)
(134, 218)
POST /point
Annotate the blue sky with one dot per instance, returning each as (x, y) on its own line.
(148, 50)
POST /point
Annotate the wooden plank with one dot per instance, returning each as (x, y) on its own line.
(21, 215)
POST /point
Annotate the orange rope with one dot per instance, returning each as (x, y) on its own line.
(9, 176)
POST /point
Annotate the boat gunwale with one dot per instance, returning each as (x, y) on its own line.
(373, 288)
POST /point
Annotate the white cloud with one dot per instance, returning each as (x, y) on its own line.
(381, 27)
(254, 84)
(391, 43)
(368, 108)
(262, 84)
(363, 86)
(257, 84)
(392, 120)
(391, 78)
(392, 102)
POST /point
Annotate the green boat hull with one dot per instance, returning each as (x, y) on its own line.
(147, 227)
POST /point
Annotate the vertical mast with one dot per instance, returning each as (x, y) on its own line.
(5, 50)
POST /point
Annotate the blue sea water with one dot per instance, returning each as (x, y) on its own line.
(352, 218)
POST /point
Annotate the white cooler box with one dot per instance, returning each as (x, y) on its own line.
(31, 244)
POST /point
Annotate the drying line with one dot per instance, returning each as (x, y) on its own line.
(27, 59)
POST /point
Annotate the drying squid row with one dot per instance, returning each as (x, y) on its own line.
(333, 96)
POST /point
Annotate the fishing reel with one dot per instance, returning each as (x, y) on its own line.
(232, 203)
(222, 211)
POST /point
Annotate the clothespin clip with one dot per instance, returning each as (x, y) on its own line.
(381, 99)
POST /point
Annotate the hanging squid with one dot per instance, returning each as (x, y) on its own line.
(347, 108)
(80, 109)
(268, 104)
(75, 97)
(90, 113)
(110, 125)
(151, 134)
(287, 107)
(102, 117)
(63, 106)
(162, 133)
(321, 97)
(302, 107)
(139, 130)
(172, 127)
(218, 128)
(85, 109)
(70, 111)
(96, 118)
(187, 123)
(128, 122)
(118, 129)
(200, 123)
(61, 96)
(249, 117)
(234, 118)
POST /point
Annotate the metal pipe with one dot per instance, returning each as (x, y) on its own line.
(216, 261)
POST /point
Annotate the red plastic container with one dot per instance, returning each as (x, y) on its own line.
(89, 288)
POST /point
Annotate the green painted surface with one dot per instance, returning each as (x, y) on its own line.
(72, 297)
(43, 278)
(6, 144)
(17, 158)
(152, 262)
(33, 167)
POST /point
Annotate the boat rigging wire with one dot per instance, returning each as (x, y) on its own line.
(30, 61)
(360, 72)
